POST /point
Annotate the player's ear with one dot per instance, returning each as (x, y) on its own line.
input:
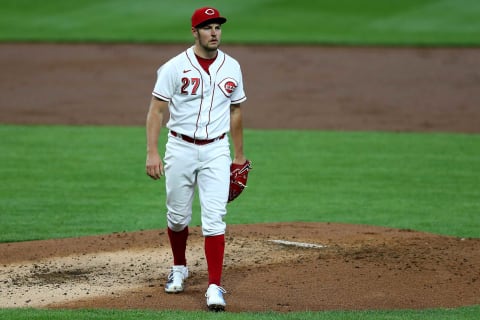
(195, 32)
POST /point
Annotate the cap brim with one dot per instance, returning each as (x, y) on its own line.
(219, 20)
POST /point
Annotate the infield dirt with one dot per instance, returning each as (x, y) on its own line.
(318, 88)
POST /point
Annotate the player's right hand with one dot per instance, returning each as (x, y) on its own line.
(154, 166)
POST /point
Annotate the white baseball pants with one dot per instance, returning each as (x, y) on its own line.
(187, 166)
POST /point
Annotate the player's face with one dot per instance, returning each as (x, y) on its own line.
(209, 36)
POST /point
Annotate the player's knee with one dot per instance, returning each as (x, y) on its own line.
(177, 222)
(213, 229)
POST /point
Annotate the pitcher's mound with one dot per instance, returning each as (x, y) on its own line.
(280, 267)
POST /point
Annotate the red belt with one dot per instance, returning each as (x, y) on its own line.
(196, 141)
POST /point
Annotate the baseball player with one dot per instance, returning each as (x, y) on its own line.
(202, 88)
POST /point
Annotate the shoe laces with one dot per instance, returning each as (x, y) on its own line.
(218, 290)
(221, 289)
(172, 273)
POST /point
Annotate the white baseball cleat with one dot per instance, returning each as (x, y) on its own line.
(215, 300)
(175, 279)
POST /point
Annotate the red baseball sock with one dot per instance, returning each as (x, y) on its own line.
(214, 251)
(178, 242)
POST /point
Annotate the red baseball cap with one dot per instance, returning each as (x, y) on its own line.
(206, 14)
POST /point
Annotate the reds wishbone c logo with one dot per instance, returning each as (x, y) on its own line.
(228, 86)
(210, 11)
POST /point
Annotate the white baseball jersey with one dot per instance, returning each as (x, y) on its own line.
(199, 103)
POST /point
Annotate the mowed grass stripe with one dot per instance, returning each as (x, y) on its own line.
(61, 181)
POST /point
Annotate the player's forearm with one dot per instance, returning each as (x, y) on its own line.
(236, 132)
(238, 147)
(154, 124)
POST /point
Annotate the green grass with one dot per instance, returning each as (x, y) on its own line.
(61, 181)
(405, 180)
(374, 22)
(73, 181)
(464, 313)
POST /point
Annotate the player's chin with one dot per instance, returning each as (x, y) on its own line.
(214, 44)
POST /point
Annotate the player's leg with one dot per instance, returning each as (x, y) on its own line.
(180, 183)
(213, 184)
(178, 243)
(213, 181)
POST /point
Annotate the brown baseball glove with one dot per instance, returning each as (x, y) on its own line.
(238, 179)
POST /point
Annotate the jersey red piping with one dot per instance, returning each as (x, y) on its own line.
(158, 95)
(213, 97)
(201, 101)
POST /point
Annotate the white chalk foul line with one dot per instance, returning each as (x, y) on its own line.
(298, 244)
